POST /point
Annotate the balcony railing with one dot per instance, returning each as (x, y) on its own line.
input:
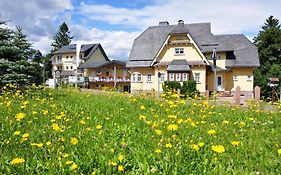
(56, 62)
(98, 79)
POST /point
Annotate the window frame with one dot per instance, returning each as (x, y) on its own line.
(162, 77)
(179, 51)
(149, 80)
(171, 76)
(197, 78)
(178, 77)
(184, 77)
(137, 77)
(235, 78)
(249, 78)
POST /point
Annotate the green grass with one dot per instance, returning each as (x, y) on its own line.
(129, 126)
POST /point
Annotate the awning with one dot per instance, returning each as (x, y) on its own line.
(179, 65)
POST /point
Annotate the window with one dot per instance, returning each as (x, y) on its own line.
(66, 57)
(171, 77)
(179, 51)
(184, 77)
(249, 78)
(197, 77)
(66, 67)
(178, 77)
(162, 77)
(71, 67)
(234, 77)
(136, 77)
(149, 78)
(71, 57)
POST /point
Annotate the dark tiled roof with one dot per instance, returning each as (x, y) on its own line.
(94, 64)
(178, 65)
(148, 44)
(72, 48)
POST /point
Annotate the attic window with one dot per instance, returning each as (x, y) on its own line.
(179, 51)
(230, 55)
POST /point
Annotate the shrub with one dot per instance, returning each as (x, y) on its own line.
(171, 85)
(189, 88)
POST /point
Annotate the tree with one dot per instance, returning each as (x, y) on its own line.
(38, 57)
(268, 42)
(62, 37)
(15, 51)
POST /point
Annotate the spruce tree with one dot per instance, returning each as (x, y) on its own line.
(268, 42)
(62, 37)
(15, 51)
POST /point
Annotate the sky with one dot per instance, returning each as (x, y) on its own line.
(116, 23)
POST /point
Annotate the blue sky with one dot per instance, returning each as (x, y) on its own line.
(116, 23)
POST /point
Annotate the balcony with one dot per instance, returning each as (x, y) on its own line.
(108, 80)
(57, 62)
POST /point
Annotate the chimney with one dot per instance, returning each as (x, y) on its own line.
(163, 23)
(180, 22)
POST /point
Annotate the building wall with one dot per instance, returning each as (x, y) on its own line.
(97, 56)
(190, 53)
(221, 59)
(201, 86)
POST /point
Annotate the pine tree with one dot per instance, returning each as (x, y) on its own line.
(62, 37)
(14, 53)
(268, 42)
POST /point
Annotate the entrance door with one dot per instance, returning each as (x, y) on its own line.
(220, 83)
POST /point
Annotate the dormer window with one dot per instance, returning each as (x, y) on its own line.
(179, 51)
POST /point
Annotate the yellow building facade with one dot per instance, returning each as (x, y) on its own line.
(185, 52)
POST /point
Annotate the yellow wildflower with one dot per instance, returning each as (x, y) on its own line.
(158, 132)
(68, 162)
(158, 151)
(211, 132)
(279, 151)
(74, 141)
(142, 107)
(17, 161)
(120, 168)
(98, 127)
(168, 145)
(82, 122)
(56, 127)
(16, 133)
(26, 135)
(19, 116)
(201, 144)
(48, 143)
(225, 122)
(142, 117)
(218, 148)
(120, 157)
(172, 127)
(235, 143)
(39, 145)
(74, 166)
(195, 147)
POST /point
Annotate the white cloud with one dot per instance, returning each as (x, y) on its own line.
(232, 16)
(43, 44)
(116, 44)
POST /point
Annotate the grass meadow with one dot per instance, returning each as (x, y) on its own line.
(44, 131)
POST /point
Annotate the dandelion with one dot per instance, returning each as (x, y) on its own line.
(235, 143)
(158, 151)
(142, 117)
(19, 116)
(120, 168)
(48, 143)
(158, 132)
(17, 161)
(279, 151)
(121, 157)
(82, 122)
(98, 127)
(74, 166)
(172, 127)
(39, 145)
(68, 162)
(168, 145)
(56, 127)
(74, 141)
(201, 144)
(195, 147)
(17, 133)
(25, 135)
(218, 148)
(211, 132)
(226, 122)
(142, 107)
